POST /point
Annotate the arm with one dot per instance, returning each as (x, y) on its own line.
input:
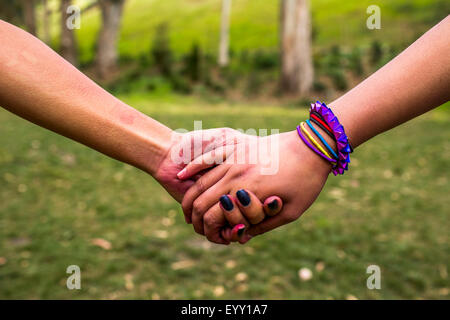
(411, 84)
(40, 86)
(414, 82)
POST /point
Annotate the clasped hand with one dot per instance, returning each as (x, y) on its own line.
(202, 167)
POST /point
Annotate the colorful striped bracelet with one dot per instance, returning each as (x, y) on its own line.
(331, 122)
(335, 156)
(314, 142)
(299, 131)
(329, 133)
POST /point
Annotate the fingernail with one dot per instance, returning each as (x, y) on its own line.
(241, 230)
(226, 203)
(238, 230)
(243, 197)
(273, 205)
(180, 174)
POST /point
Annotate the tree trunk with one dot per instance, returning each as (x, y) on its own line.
(68, 48)
(107, 55)
(297, 72)
(29, 17)
(46, 12)
(224, 34)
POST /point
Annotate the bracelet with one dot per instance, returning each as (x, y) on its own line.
(323, 128)
(330, 121)
(335, 156)
(322, 122)
(311, 139)
(327, 131)
(312, 147)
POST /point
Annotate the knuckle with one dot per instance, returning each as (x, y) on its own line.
(237, 171)
(186, 206)
(198, 206)
(208, 221)
(200, 185)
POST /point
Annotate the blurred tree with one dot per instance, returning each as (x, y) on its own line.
(297, 71)
(193, 63)
(11, 11)
(46, 12)
(161, 52)
(68, 48)
(376, 52)
(224, 34)
(29, 15)
(107, 55)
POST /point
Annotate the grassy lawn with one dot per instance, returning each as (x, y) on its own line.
(391, 209)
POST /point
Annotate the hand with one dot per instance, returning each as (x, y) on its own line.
(299, 179)
(245, 207)
(183, 149)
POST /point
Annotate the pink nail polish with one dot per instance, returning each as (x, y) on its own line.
(181, 174)
(238, 230)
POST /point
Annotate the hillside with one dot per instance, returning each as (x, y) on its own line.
(255, 26)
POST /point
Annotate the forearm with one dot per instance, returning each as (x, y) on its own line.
(411, 84)
(40, 86)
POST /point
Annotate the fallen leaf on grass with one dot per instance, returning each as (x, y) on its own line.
(241, 276)
(305, 274)
(129, 284)
(219, 291)
(183, 264)
(102, 243)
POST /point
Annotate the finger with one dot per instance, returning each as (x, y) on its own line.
(250, 206)
(287, 216)
(204, 202)
(273, 205)
(214, 220)
(231, 211)
(209, 179)
(237, 232)
(205, 161)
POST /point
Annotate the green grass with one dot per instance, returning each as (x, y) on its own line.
(255, 26)
(391, 209)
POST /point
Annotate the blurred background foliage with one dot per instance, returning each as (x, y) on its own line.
(172, 45)
(62, 204)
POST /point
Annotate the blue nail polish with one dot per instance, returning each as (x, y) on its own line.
(226, 203)
(243, 197)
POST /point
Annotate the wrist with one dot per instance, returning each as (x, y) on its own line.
(356, 122)
(151, 144)
(306, 156)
